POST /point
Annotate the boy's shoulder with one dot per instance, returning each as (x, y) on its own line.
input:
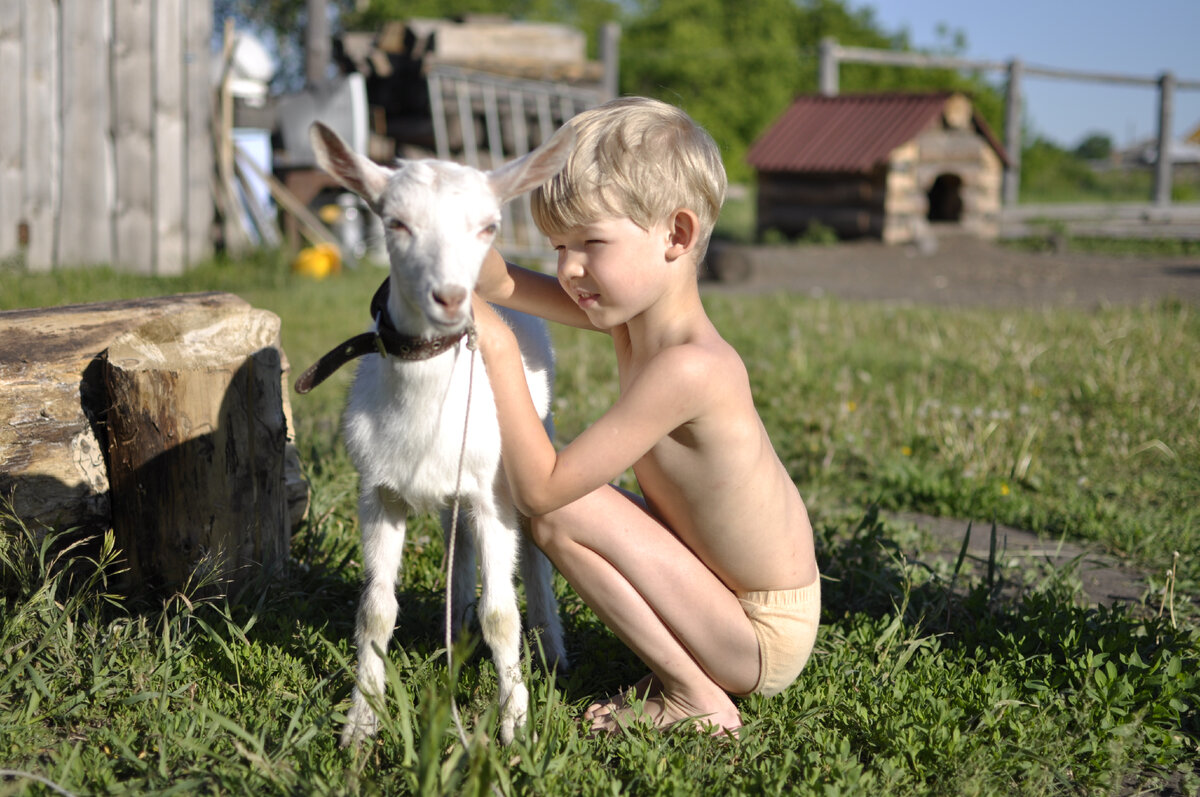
(699, 365)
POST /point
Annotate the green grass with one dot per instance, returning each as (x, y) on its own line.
(927, 678)
(1057, 239)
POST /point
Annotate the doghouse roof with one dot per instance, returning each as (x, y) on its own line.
(851, 133)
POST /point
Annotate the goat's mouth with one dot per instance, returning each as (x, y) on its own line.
(450, 309)
(448, 323)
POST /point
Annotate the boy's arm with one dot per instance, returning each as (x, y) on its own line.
(511, 286)
(668, 393)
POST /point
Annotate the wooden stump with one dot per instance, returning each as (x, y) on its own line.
(166, 419)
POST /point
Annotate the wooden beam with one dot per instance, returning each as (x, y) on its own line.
(1012, 133)
(42, 133)
(198, 28)
(84, 233)
(1166, 114)
(169, 138)
(12, 199)
(133, 133)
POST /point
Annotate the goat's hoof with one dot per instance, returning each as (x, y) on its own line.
(514, 714)
(361, 724)
(557, 661)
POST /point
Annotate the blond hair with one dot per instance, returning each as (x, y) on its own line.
(638, 158)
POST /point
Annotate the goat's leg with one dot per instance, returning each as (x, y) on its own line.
(382, 518)
(541, 605)
(499, 614)
(465, 576)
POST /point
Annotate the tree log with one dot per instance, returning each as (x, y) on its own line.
(58, 419)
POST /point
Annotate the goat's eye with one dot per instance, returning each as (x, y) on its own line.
(489, 230)
(396, 225)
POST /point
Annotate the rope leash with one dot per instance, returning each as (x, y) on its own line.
(452, 541)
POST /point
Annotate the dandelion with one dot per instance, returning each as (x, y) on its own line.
(906, 451)
(1004, 488)
(851, 406)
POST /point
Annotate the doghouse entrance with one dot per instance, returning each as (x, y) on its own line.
(945, 199)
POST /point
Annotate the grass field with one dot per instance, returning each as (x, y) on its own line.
(927, 678)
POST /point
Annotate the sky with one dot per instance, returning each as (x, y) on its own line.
(1143, 38)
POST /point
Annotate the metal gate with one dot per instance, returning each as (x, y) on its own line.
(500, 118)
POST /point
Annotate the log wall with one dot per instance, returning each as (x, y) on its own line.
(890, 203)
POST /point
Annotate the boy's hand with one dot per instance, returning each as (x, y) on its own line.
(494, 283)
(489, 326)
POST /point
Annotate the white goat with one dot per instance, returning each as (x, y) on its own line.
(405, 414)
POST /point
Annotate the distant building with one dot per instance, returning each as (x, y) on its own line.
(896, 167)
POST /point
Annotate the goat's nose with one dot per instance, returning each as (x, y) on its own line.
(451, 297)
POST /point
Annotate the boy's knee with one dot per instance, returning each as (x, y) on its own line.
(551, 528)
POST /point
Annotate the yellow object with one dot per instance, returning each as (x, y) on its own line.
(318, 261)
(330, 214)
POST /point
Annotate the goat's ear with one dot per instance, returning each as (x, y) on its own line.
(361, 175)
(529, 171)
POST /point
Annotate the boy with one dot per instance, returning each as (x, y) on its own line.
(710, 578)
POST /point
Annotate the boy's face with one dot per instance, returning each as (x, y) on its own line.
(612, 268)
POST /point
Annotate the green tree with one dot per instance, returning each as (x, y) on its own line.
(734, 66)
(1050, 173)
(1094, 147)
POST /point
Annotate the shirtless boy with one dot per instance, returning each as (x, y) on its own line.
(710, 578)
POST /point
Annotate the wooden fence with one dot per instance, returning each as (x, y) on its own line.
(105, 140)
(832, 54)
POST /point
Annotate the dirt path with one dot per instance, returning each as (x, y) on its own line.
(966, 272)
(1024, 558)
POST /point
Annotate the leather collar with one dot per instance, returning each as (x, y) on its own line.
(386, 340)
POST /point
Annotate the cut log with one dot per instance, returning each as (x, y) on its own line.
(55, 421)
(196, 438)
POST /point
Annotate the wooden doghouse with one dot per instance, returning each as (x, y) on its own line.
(887, 166)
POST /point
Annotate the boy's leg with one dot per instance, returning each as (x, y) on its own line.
(659, 598)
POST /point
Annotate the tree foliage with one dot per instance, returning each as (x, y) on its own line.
(734, 66)
(1095, 147)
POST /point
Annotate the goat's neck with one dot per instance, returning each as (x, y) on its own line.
(405, 316)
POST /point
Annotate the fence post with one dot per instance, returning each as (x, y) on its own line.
(1012, 132)
(42, 133)
(317, 46)
(827, 76)
(84, 225)
(198, 32)
(1162, 166)
(12, 210)
(610, 39)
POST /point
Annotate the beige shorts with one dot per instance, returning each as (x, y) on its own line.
(785, 622)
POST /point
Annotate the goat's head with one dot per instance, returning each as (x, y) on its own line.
(439, 218)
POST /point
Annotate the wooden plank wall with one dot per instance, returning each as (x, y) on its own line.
(108, 156)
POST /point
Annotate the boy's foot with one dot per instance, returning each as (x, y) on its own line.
(646, 702)
(646, 688)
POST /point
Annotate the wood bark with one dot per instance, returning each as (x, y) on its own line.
(196, 439)
(65, 437)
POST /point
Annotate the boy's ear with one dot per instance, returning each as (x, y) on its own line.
(684, 233)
